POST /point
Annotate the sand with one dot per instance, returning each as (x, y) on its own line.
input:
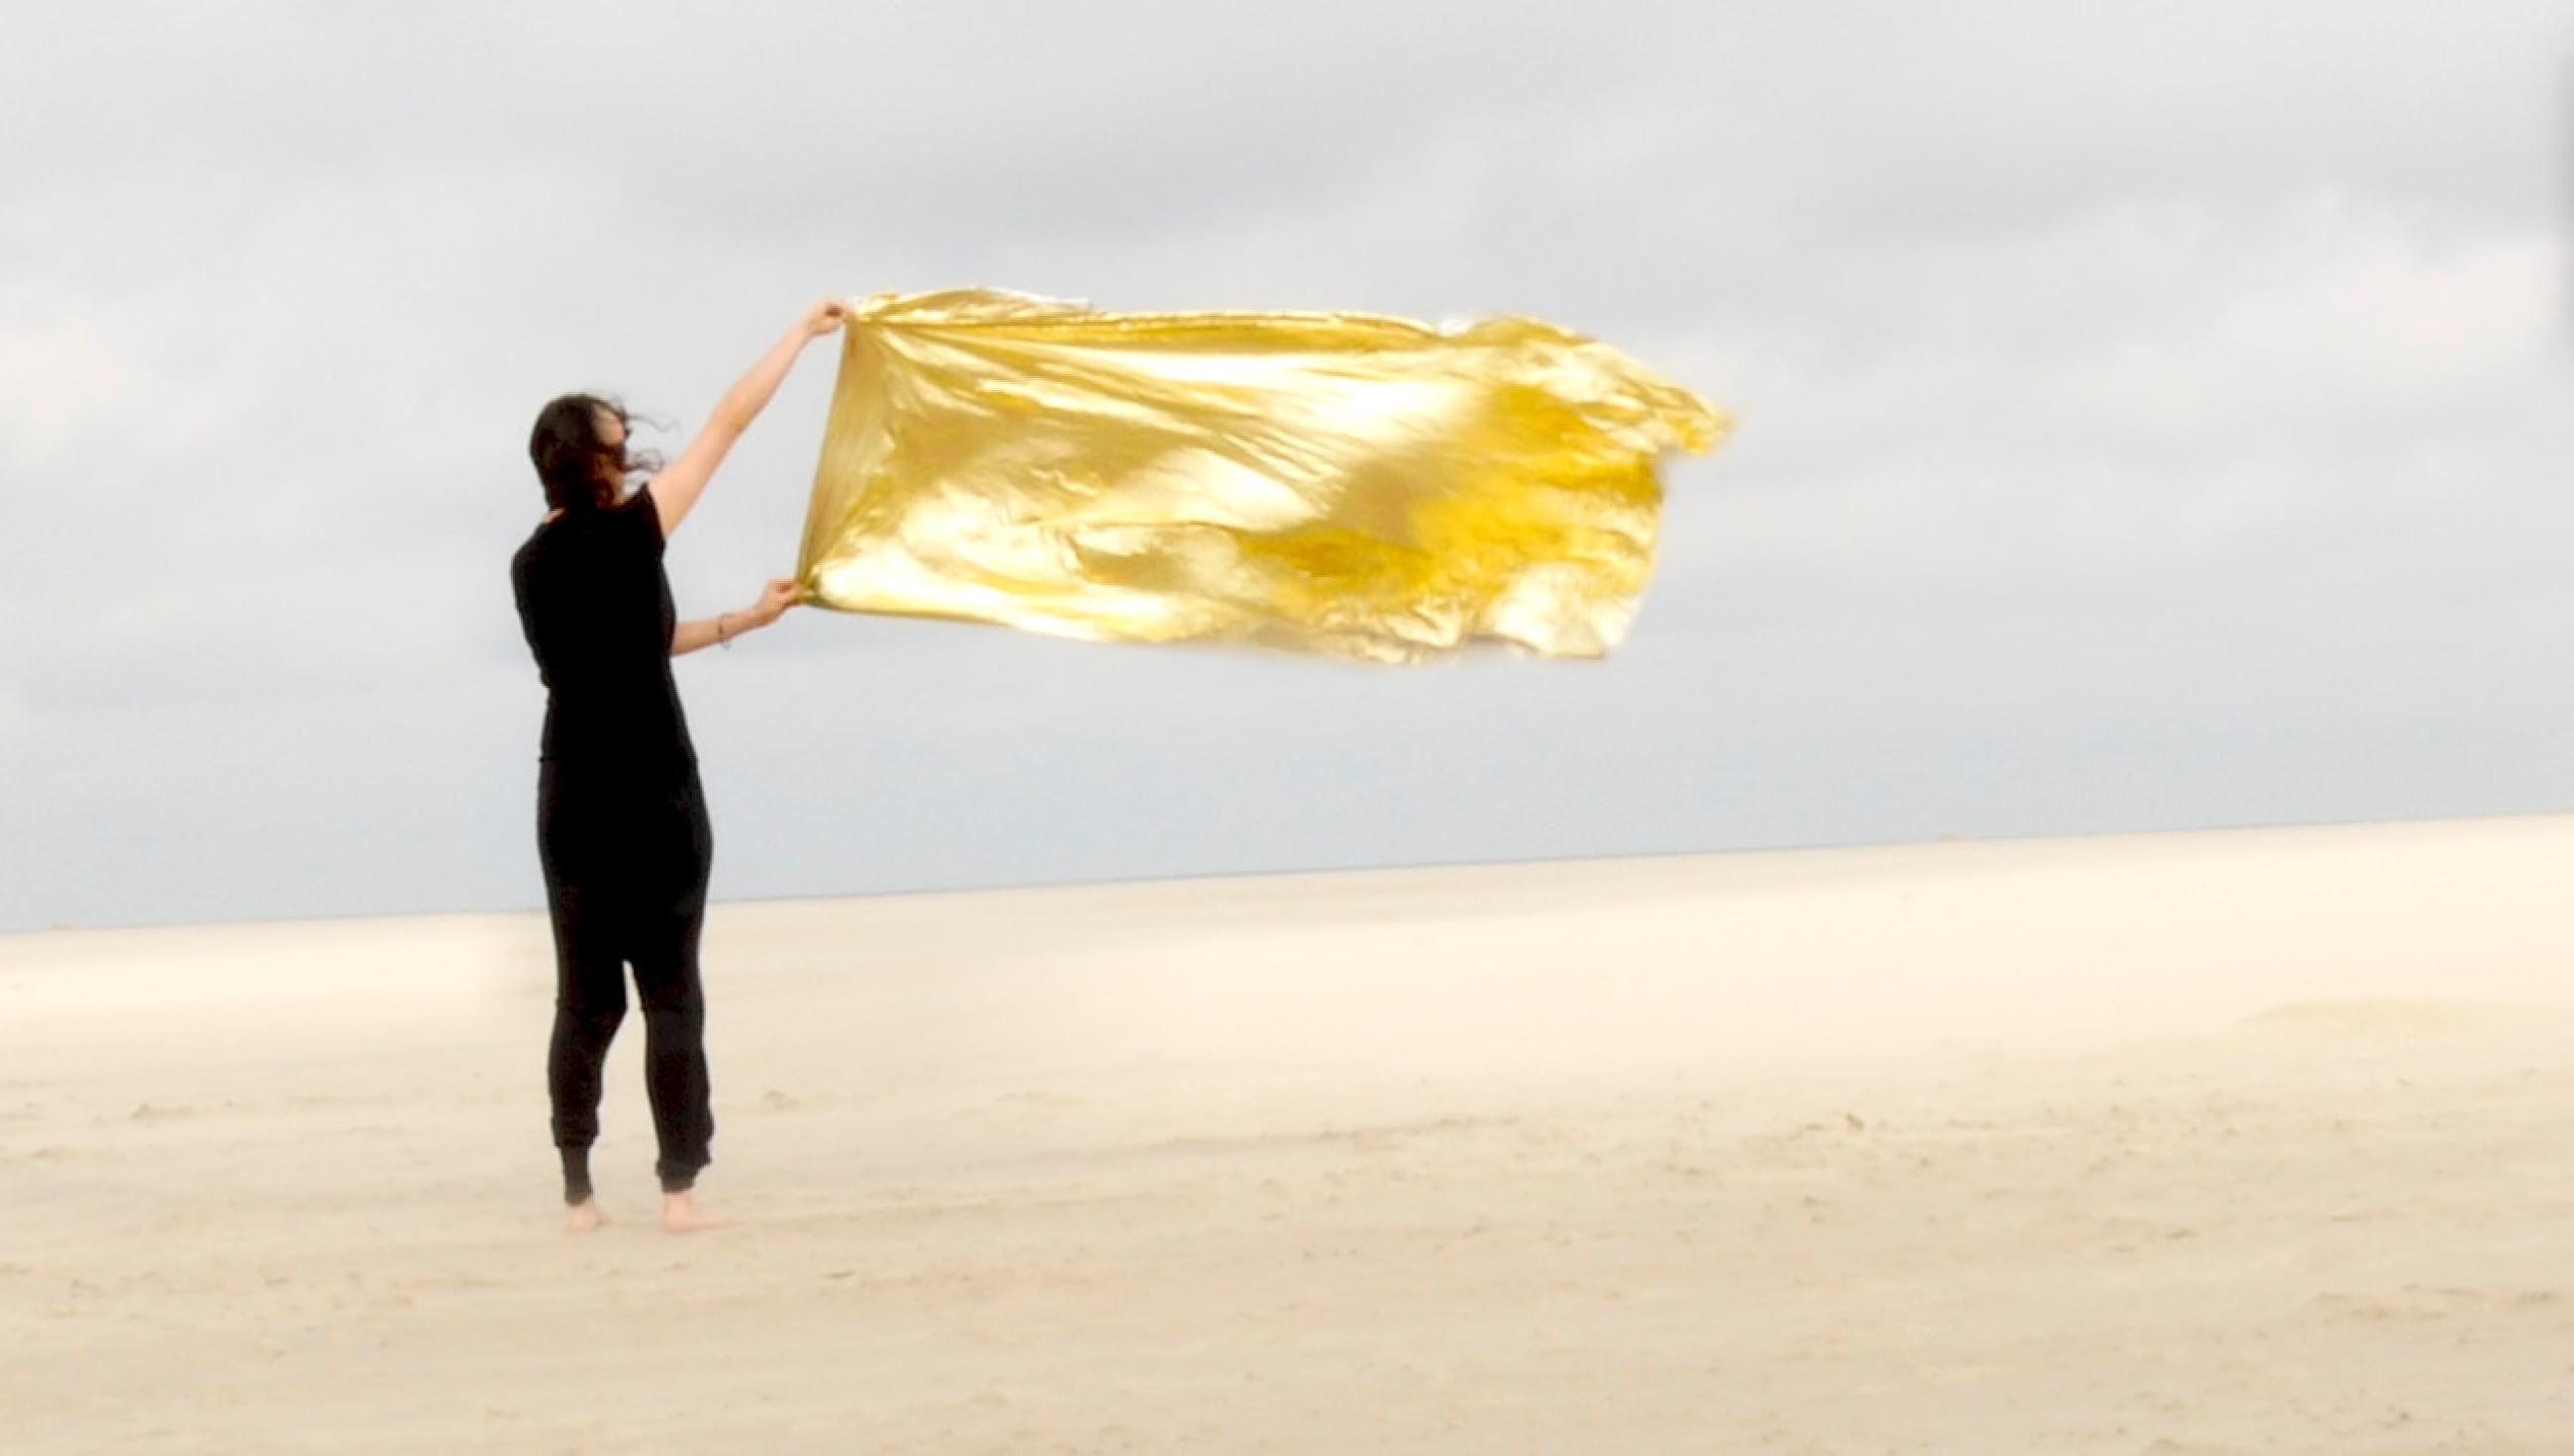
(2240, 1141)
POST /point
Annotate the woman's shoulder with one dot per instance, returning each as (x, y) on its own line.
(646, 511)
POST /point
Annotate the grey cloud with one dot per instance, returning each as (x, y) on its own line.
(2148, 417)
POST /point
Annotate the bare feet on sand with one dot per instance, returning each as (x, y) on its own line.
(584, 1216)
(680, 1214)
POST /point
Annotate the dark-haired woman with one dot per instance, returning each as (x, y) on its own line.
(621, 829)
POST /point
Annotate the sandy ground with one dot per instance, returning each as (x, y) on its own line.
(2251, 1141)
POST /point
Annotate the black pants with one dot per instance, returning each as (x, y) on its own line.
(625, 881)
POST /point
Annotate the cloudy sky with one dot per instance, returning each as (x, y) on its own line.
(2150, 416)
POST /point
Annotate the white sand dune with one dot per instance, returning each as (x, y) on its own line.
(2231, 1142)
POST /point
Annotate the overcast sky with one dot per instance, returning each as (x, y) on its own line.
(2150, 416)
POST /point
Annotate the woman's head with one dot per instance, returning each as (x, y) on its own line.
(580, 450)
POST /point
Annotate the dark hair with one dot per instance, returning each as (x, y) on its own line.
(580, 471)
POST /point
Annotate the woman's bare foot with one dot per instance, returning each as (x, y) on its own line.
(583, 1217)
(680, 1214)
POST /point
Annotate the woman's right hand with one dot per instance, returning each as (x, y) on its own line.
(675, 489)
(823, 318)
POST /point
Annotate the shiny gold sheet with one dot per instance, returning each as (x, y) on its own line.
(1339, 483)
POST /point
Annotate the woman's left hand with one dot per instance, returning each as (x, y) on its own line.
(780, 595)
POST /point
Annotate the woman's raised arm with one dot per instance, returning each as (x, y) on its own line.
(677, 487)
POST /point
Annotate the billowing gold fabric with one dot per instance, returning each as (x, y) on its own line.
(1337, 482)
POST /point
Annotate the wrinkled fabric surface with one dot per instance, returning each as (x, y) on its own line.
(1347, 484)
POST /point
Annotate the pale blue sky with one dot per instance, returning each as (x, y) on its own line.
(2150, 416)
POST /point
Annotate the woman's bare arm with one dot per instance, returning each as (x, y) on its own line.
(706, 632)
(775, 598)
(677, 488)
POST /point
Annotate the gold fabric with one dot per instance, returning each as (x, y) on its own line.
(1338, 483)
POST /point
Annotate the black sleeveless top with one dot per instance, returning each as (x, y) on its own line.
(596, 606)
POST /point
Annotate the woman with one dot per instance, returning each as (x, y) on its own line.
(622, 828)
